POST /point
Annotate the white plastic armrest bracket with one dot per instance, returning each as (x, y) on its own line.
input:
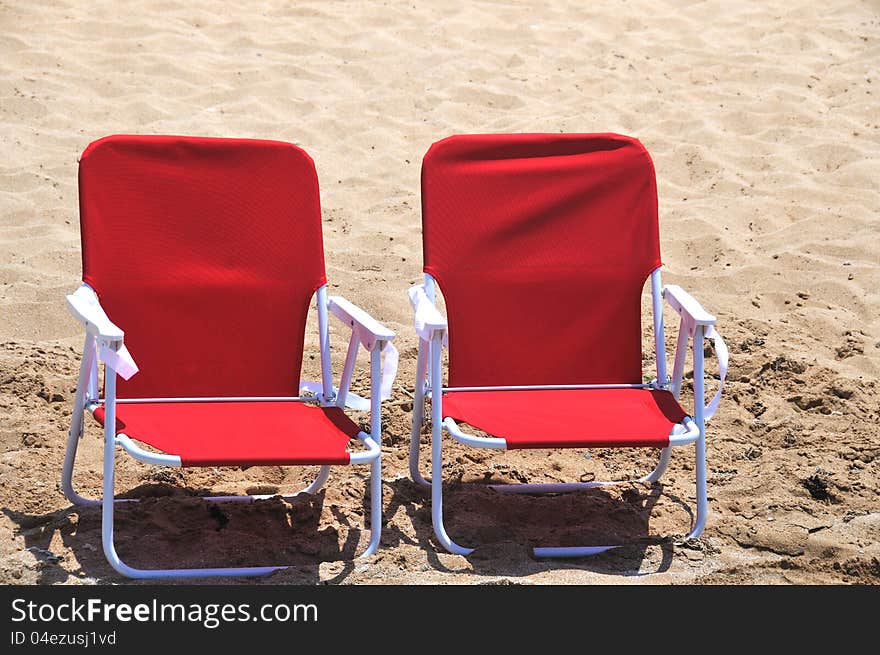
(370, 332)
(86, 308)
(688, 308)
(368, 329)
(693, 315)
(428, 318)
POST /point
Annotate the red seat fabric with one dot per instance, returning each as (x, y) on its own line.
(239, 433)
(541, 244)
(206, 252)
(570, 418)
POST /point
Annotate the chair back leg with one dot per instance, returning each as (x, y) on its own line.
(418, 415)
(76, 423)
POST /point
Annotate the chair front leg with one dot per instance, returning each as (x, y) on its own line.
(437, 449)
(376, 435)
(700, 420)
(375, 507)
(107, 506)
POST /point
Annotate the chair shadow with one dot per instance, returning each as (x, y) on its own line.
(503, 528)
(174, 527)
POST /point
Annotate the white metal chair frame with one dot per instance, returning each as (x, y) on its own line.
(431, 327)
(101, 333)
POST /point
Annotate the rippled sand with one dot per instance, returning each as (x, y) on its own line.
(763, 122)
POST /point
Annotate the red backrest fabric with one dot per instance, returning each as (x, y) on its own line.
(541, 245)
(206, 252)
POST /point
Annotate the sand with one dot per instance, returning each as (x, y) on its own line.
(763, 122)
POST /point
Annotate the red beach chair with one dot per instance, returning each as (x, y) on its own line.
(541, 245)
(200, 258)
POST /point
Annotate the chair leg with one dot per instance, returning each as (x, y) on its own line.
(565, 552)
(375, 507)
(131, 572)
(694, 433)
(107, 528)
(437, 494)
(76, 427)
(76, 430)
(418, 418)
(437, 453)
(660, 469)
(702, 495)
(699, 419)
(437, 511)
(568, 487)
(107, 505)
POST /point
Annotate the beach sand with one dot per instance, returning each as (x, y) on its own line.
(762, 119)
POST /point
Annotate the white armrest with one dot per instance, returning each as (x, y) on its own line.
(85, 307)
(428, 318)
(368, 329)
(686, 305)
(692, 314)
